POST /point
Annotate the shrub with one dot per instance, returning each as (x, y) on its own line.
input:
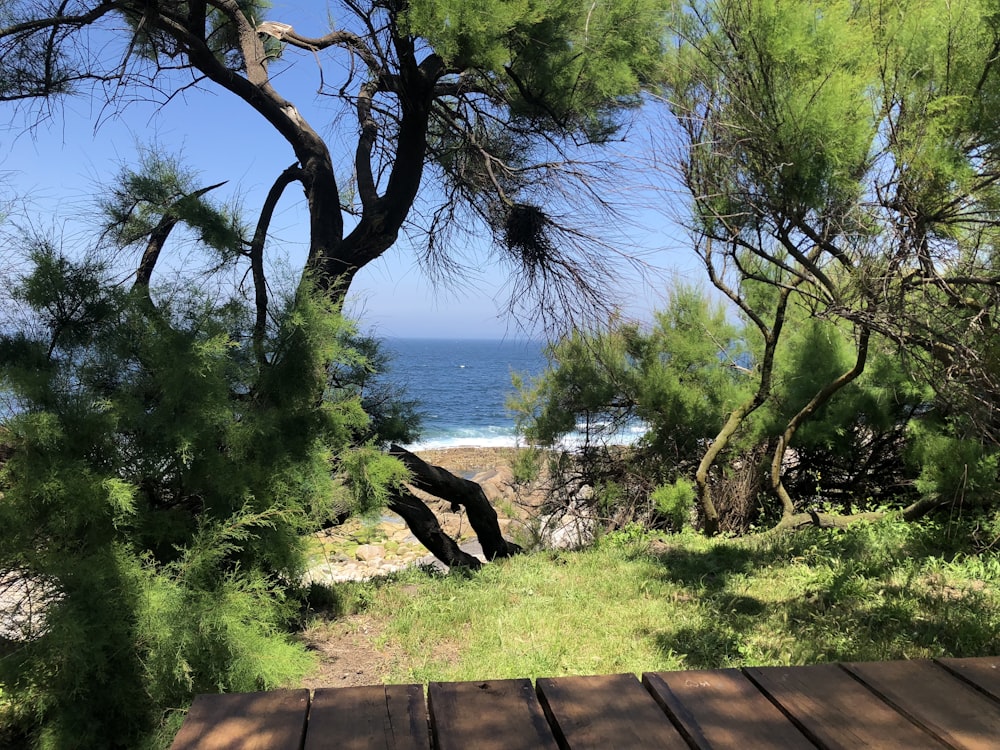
(160, 477)
(675, 502)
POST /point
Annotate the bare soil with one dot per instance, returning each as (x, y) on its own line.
(349, 652)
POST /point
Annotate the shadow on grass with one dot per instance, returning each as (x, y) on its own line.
(333, 600)
(825, 596)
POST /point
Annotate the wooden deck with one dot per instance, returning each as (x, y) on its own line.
(901, 704)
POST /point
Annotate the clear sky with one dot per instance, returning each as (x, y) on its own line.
(58, 165)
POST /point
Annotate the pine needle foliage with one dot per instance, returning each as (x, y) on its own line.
(158, 485)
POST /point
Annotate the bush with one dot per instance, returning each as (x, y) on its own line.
(675, 502)
(160, 477)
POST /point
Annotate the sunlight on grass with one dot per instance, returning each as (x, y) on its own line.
(635, 604)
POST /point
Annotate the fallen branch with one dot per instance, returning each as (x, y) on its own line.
(460, 492)
(425, 527)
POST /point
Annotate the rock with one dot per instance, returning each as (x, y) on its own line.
(389, 528)
(366, 552)
(574, 529)
(496, 483)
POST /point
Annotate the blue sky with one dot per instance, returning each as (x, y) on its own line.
(58, 164)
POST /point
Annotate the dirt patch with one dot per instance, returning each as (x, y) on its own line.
(351, 653)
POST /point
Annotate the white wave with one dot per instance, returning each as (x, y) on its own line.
(470, 441)
(503, 437)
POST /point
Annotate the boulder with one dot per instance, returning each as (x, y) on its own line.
(367, 552)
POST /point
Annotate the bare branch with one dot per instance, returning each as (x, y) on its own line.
(256, 253)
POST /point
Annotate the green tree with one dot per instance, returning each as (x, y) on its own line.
(491, 100)
(825, 447)
(498, 106)
(842, 152)
(672, 382)
(158, 485)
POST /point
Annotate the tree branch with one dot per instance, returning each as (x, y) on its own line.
(158, 238)
(824, 395)
(256, 252)
(460, 492)
(285, 33)
(425, 527)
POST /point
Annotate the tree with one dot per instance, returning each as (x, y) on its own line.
(830, 441)
(492, 98)
(156, 491)
(842, 152)
(670, 385)
(497, 102)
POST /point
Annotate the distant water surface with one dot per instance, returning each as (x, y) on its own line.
(462, 386)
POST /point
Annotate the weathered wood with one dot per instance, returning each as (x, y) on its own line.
(917, 704)
(935, 699)
(425, 527)
(983, 672)
(594, 713)
(378, 717)
(835, 710)
(723, 709)
(494, 715)
(458, 491)
(273, 720)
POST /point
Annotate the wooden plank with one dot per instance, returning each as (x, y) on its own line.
(605, 711)
(937, 700)
(274, 720)
(835, 710)
(393, 717)
(723, 709)
(981, 671)
(494, 715)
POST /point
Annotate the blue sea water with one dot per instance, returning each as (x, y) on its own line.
(462, 386)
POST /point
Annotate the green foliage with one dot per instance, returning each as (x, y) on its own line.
(371, 476)
(161, 191)
(815, 351)
(675, 382)
(844, 147)
(159, 483)
(955, 469)
(872, 445)
(566, 60)
(675, 501)
(673, 378)
(527, 464)
(392, 417)
(796, 78)
(202, 632)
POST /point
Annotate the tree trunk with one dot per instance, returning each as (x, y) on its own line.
(824, 395)
(425, 527)
(771, 335)
(460, 492)
(797, 521)
(709, 511)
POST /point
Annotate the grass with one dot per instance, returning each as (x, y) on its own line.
(635, 603)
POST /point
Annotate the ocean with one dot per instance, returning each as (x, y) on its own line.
(462, 386)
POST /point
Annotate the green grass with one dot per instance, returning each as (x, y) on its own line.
(877, 591)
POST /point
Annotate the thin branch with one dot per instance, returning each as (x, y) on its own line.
(256, 253)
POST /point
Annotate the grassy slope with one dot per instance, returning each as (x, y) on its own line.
(877, 591)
